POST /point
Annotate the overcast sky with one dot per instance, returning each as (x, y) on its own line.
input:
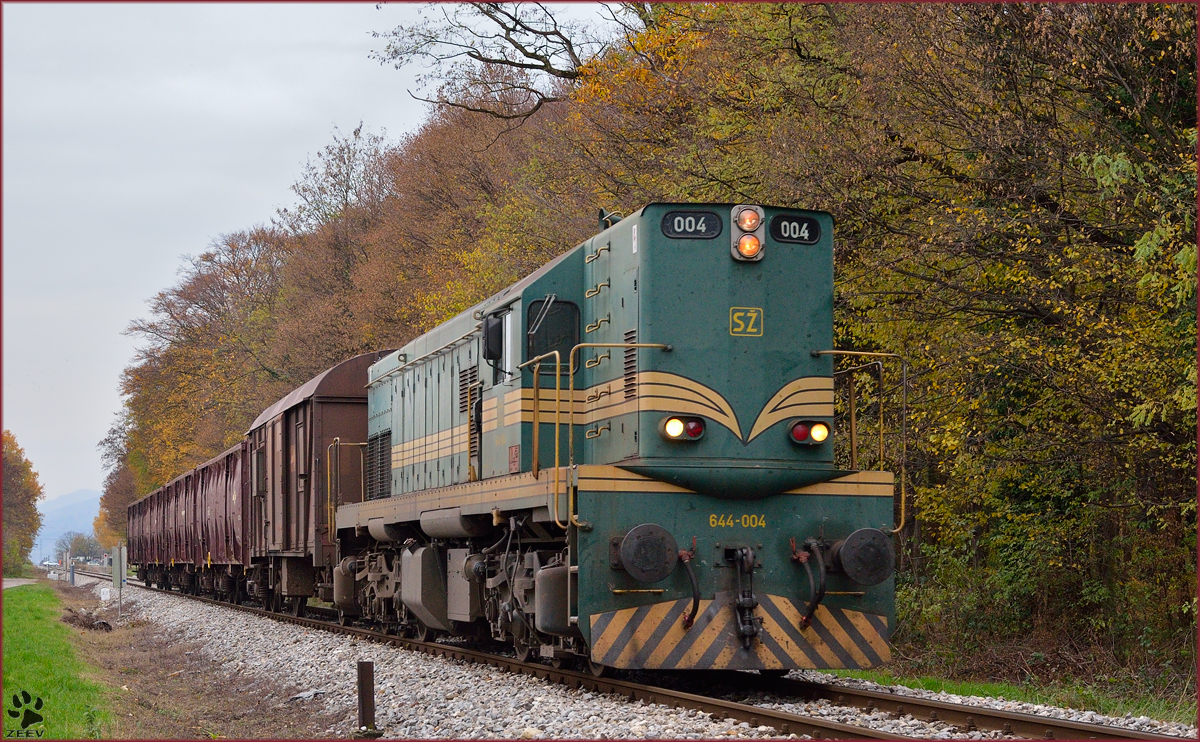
(134, 135)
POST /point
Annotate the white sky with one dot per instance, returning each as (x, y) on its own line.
(136, 134)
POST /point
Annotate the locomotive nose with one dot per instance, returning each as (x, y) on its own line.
(866, 556)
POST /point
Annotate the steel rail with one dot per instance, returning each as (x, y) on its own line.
(965, 718)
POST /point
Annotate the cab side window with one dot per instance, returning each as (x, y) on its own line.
(551, 325)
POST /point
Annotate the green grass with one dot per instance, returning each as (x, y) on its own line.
(1109, 701)
(39, 659)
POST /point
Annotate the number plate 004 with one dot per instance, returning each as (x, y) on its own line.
(723, 520)
(691, 225)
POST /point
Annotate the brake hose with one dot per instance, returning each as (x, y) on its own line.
(814, 548)
(686, 558)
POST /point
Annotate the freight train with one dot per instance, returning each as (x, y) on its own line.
(624, 460)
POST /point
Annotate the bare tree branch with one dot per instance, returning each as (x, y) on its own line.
(504, 60)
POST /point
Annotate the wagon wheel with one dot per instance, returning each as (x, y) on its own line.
(598, 670)
(343, 619)
(298, 606)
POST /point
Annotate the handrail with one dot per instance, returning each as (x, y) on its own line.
(571, 414)
(537, 422)
(903, 416)
(329, 507)
(418, 359)
(853, 403)
(329, 494)
(472, 475)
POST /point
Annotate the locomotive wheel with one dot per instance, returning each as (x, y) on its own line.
(343, 619)
(598, 670)
(298, 606)
(562, 663)
(774, 673)
(425, 633)
(522, 648)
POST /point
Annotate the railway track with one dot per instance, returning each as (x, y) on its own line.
(964, 718)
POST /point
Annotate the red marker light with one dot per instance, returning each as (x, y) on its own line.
(694, 428)
(800, 432)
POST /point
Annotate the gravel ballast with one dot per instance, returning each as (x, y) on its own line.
(421, 696)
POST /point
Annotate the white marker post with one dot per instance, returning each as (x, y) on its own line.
(118, 574)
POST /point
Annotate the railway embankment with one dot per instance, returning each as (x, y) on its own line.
(47, 688)
(421, 696)
(153, 685)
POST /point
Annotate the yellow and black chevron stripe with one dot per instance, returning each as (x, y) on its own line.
(652, 637)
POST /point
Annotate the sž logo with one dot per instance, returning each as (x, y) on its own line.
(26, 708)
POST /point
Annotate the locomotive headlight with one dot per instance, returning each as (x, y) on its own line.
(749, 246)
(673, 427)
(748, 220)
(808, 432)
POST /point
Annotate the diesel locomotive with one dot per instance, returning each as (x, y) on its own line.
(624, 459)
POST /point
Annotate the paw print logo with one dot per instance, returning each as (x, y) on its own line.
(23, 702)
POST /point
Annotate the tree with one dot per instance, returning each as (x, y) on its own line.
(206, 369)
(120, 485)
(22, 521)
(506, 60)
(78, 545)
(349, 172)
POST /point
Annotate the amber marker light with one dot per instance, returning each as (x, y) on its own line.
(819, 432)
(748, 246)
(674, 427)
(748, 220)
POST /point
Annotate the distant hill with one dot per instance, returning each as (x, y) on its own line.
(73, 511)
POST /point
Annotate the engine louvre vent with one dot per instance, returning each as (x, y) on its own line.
(631, 367)
(468, 377)
(379, 465)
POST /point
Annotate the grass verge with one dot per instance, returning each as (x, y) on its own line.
(39, 660)
(1083, 696)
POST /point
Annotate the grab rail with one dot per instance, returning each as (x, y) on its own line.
(537, 422)
(853, 397)
(903, 416)
(330, 507)
(571, 414)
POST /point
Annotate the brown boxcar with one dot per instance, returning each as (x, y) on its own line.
(305, 455)
(189, 533)
(255, 519)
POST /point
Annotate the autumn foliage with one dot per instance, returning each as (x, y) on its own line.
(22, 521)
(1015, 193)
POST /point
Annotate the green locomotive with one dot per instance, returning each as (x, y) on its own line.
(627, 457)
